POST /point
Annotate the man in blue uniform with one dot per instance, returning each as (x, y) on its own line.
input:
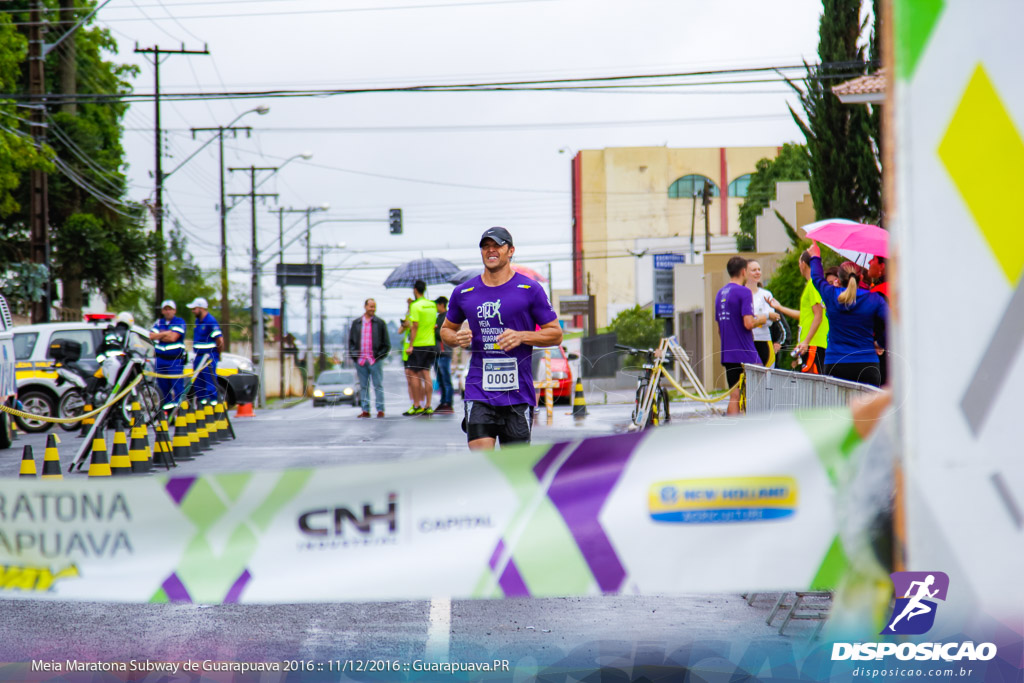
(207, 342)
(169, 334)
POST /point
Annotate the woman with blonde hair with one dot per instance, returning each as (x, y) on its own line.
(852, 316)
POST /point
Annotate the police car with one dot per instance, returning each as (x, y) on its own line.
(8, 386)
(37, 386)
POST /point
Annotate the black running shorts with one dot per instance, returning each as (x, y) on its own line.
(507, 424)
(422, 357)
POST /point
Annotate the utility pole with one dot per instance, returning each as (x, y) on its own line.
(158, 206)
(280, 237)
(707, 216)
(39, 213)
(225, 304)
(257, 304)
(323, 352)
(693, 223)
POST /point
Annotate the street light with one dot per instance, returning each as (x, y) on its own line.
(323, 248)
(225, 307)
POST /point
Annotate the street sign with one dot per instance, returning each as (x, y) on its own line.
(664, 283)
(574, 304)
(300, 274)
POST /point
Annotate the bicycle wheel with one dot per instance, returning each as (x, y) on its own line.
(663, 398)
(72, 404)
(635, 415)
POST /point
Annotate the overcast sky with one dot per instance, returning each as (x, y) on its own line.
(456, 163)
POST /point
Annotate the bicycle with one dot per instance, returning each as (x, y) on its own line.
(651, 405)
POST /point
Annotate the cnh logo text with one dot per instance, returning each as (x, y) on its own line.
(914, 614)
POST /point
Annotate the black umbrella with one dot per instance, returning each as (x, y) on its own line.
(464, 276)
(433, 271)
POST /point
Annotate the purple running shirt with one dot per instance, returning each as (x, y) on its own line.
(496, 377)
(732, 303)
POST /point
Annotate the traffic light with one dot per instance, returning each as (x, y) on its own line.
(395, 221)
(706, 194)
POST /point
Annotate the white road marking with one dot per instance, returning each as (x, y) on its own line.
(439, 629)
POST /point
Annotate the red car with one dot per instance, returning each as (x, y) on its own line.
(561, 371)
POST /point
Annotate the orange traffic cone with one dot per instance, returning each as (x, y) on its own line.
(244, 410)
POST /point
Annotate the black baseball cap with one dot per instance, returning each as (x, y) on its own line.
(499, 235)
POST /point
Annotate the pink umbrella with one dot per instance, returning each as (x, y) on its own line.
(528, 272)
(848, 237)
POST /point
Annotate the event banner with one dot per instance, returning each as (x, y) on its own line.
(720, 506)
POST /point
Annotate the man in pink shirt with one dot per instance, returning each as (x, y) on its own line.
(368, 345)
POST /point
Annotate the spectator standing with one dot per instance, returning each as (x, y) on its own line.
(207, 342)
(852, 316)
(422, 318)
(734, 311)
(368, 345)
(168, 333)
(879, 285)
(504, 310)
(812, 339)
(766, 349)
(443, 364)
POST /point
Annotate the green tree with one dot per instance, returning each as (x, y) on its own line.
(792, 163)
(787, 284)
(845, 174)
(637, 327)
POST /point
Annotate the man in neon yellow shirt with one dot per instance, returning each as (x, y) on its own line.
(422, 317)
(813, 334)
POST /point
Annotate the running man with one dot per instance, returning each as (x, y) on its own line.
(914, 605)
(508, 315)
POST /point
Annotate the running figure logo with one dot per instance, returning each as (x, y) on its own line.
(914, 612)
(490, 309)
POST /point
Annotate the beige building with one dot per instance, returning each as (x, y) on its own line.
(633, 202)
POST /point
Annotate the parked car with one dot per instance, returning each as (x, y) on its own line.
(37, 387)
(336, 386)
(561, 371)
(8, 381)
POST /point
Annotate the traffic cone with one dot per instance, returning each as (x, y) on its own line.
(120, 461)
(162, 447)
(138, 451)
(181, 449)
(28, 463)
(579, 403)
(51, 459)
(99, 465)
(202, 433)
(212, 424)
(244, 410)
(220, 411)
(87, 423)
(192, 432)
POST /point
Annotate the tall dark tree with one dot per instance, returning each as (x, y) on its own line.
(97, 236)
(792, 163)
(845, 172)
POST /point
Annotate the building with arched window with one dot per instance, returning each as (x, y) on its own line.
(632, 202)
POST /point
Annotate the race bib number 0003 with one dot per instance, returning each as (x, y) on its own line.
(500, 374)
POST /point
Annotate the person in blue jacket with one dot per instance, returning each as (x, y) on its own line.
(852, 313)
(168, 333)
(207, 342)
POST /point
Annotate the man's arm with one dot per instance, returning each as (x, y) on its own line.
(783, 309)
(453, 335)
(219, 341)
(819, 314)
(752, 321)
(549, 334)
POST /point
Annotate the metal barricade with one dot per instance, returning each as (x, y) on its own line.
(771, 390)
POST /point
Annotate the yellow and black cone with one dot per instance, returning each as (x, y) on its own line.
(181, 448)
(28, 463)
(579, 403)
(51, 459)
(120, 461)
(220, 413)
(212, 424)
(162, 446)
(88, 422)
(190, 429)
(165, 436)
(99, 464)
(202, 433)
(138, 450)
